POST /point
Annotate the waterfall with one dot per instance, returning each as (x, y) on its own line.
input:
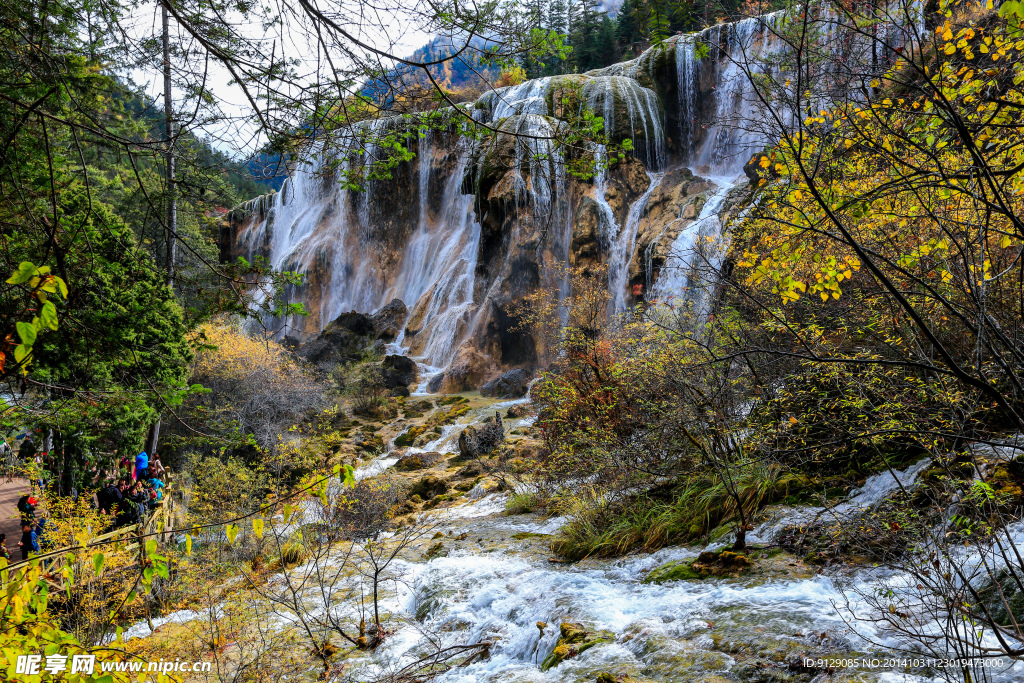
(438, 268)
(425, 235)
(695, 252)
(629, 110)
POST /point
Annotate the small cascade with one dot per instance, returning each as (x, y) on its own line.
(624, 244)
(688, 75)
(630, 111)
(436, 277)
(697, 251)
(719, 142)
(452, 267)
(530, 97)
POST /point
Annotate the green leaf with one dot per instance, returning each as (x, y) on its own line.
(20, 352)
(25, 272)
(49, 315)
(97, 563)
(232, 531)
(27, 332)
(257, 527)
(188, 545)
(151, 547)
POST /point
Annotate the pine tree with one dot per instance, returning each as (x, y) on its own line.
(607, 48)
(539, 21)
(627, 31)
(558, 15)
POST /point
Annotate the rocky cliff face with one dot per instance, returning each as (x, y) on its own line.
(470, 226)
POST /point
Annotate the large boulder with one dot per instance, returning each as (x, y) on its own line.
(355, 322)
(387, 321)
(418, 461)
(513, 384)
(344, 340)
(399, 371)
(428, 487)
(479, 440)
(518, 410)
(466, 371)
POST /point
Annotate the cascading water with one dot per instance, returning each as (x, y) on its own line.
(694, 256)
(359, 250)
(671, 632)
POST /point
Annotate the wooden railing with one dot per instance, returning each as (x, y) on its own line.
(158, 524)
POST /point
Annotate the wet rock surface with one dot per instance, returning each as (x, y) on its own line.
(512, 384)
(387, 321)
(477, 441)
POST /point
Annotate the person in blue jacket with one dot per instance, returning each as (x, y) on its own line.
(29, 542)
(142, 466)
(157, 485)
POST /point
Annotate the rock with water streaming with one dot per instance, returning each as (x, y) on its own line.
(479, 440)
(513, 384)
(418, 461)
(574, 639)
(388, 320)
(399, 371)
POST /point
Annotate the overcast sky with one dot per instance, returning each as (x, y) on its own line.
(239, 135)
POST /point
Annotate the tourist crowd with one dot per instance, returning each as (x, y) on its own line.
(126, 494)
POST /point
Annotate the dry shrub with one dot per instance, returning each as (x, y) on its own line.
(255, 388)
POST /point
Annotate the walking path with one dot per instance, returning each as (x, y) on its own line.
(10, 492)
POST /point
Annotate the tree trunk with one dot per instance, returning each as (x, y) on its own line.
(741, 538)
(172, 205)
(153, 439)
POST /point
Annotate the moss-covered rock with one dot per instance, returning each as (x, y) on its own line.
(681, 570)
(417, 461)
(428, 487)
(436, 550)
(368, 440)
(574, 640)
(409, 436)
(706, 565)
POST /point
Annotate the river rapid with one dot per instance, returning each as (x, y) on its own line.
(498, 582)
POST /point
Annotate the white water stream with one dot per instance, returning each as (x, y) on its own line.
(675, 632)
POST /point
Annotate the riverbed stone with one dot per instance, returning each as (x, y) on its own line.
(518, 410)
(429, 487)
(388, 320)
(418, 461)
(513, 384)
(574, 640)
(477, 441)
